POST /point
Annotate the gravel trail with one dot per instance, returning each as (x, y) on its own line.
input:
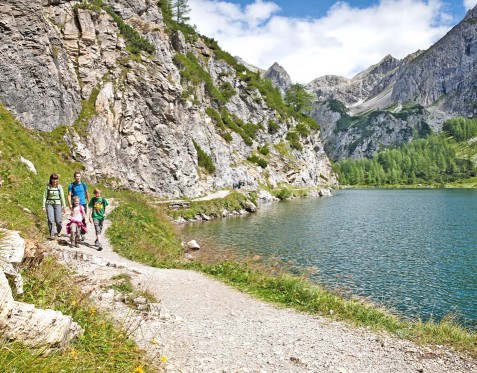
(205, 326)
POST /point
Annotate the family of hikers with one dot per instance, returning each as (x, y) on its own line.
(78, 202)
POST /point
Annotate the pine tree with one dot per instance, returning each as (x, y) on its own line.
(180, 10)
(298, 97)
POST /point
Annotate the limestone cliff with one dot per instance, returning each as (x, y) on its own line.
(60, 59)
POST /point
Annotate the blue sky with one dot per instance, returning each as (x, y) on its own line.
(319, 8)
(312, 38)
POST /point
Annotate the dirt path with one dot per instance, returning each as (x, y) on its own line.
(219, 194)
(203, 325)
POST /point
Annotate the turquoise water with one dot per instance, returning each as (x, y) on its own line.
(415, 251)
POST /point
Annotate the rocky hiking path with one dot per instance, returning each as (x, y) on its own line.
(202, 325)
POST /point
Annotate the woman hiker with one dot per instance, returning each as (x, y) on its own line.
(54, 205)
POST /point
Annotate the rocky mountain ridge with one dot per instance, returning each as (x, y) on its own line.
(395, 100)
(136, 119)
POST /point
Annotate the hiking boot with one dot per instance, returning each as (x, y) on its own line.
(96, 243)
(82, 237)
(100, 247)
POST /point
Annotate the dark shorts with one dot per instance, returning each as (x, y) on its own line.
(98, 226)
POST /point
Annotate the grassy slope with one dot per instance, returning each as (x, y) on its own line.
(103, 347)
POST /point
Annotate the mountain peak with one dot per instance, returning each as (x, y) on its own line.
(279, 77)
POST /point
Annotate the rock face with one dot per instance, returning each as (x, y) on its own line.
(363, 136)
(360, 88)
(444, 76)
(61, 58)
(37, 82)
(398, 99)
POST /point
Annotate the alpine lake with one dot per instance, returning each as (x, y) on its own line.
(412, 250)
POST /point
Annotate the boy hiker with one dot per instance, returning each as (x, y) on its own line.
(80, 189)
(97, 214)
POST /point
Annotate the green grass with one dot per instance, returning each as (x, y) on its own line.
(203, 159)
(142, 232)
(22, 190)
(103, 347)
(232, 202)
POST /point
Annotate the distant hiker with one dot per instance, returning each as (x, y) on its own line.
(54, 204)
(80, 189)
(77, 216)
(97, 206)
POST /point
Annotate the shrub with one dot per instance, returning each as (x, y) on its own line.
(303, 129)
(264, 150)
(258, 160)
(273, 127)
(250, 130)
(227, 91)
(230, 123)
(294, 140)
(191, 71)
(283, 193)
(204, 159)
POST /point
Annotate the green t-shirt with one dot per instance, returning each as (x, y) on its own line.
(98, 207)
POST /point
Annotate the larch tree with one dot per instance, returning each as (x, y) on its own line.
(180, 10)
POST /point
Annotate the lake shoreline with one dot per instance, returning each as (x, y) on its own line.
(343, 277)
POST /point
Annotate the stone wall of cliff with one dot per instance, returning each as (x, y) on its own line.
(58, 55)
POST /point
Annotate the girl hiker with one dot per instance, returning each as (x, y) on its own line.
(77, 217)
(54, 205)
(80, 189)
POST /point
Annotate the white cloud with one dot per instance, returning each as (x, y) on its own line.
(344, 42)
(469, 4)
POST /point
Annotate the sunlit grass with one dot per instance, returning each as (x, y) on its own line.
(103, 347)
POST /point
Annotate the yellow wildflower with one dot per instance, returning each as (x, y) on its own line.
(92, 311)
(163, 358)
(139, 369)
(73, 353)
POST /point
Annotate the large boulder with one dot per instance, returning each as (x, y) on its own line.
(6, 301)
(11, 255)
(40, 328)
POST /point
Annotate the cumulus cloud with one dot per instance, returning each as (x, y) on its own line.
(469, 4)
(344, 42)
